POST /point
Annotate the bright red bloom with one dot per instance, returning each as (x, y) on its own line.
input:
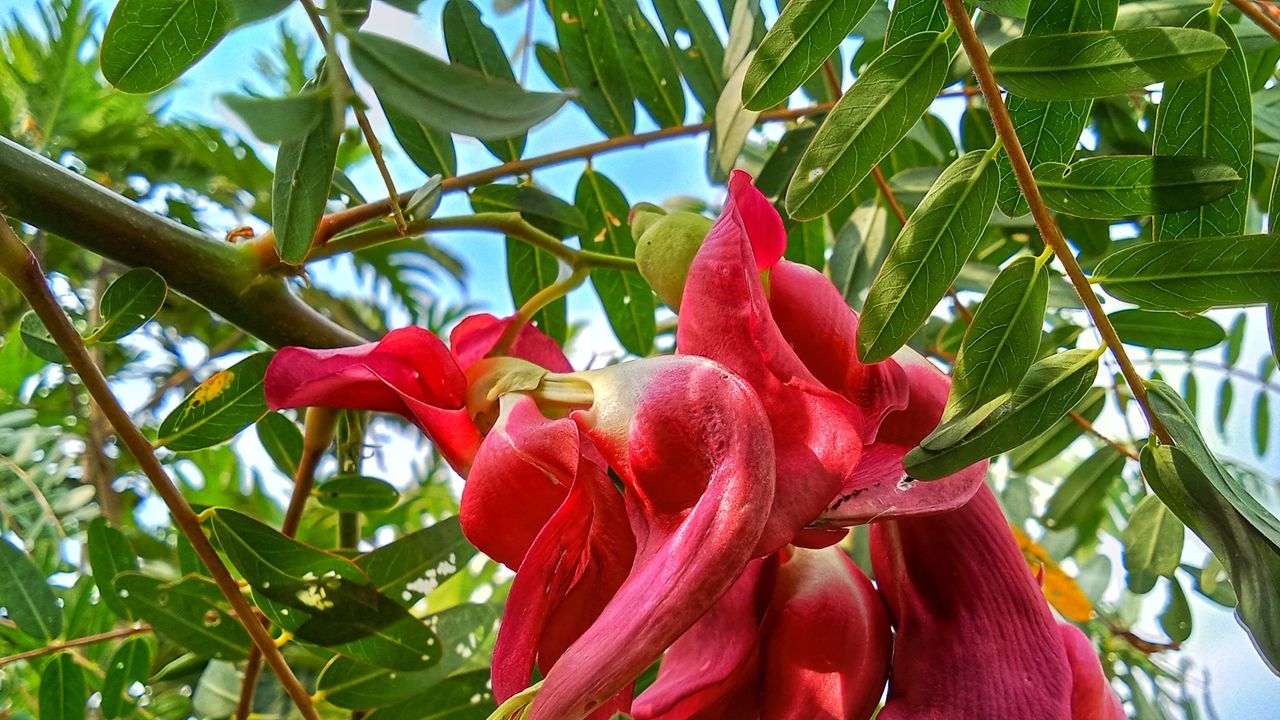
(975, 638)
(1091, 695)
(802, 635)
(691, 444)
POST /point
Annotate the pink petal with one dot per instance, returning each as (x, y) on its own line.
(975, 638)
(476, 335)
(1091, 695)
(409, 372)
(691, 444)
(578, 559)
(726, 317)
(827, 650)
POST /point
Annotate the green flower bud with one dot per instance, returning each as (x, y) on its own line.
(665, 250)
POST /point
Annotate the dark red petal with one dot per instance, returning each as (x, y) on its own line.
(476, 335)
(975, 637)
(578, 559)
(409, 372)
(827, 646)
(691, 444)
(1091, 695)
(880, 488)
(725, 317)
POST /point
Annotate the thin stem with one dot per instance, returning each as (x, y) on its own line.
(1083, 422)
(77, 642)
(21, 267)
(541, 299)
(1008, 135)
(362, 119)
(1257, 16)
(350, 451)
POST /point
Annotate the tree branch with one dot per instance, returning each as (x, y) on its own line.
(1005, 131)
(77, 642)
(223, 278)
(1258, 17)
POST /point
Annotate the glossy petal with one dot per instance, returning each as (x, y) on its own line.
(476, 335)
(578, 559)
(975, 638)
(1091, 695)
(879, 487)
(409, 372)
(691, 443)
(726, 317)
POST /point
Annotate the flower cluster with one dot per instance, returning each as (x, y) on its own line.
(685, 507)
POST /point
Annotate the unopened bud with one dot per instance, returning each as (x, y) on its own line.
(665, 250)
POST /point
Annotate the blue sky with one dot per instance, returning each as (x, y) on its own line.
(1241, 686)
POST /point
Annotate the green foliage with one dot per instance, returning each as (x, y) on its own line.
(1120, 186)
(228, 402)
(149, 44)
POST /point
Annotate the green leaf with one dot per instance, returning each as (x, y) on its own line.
(1120, 186)
(277, 119)
(589, 51)
(282, 440)
(887, 99)
(109, 555)
(130, 301)
(1152, 544)
(149, 43)
(129, 664)
(413, 566)
(355, 493)
(803, 37)
(1262, 423)
(1194, 275)
(1176, 618)
(1049, 131)
(914, 16)
(860, 248)
(627, 299)
(322, 598)
(937, 240)
(300, 189)
(1209, 115)
(807, 242)
(63, 692)
(38, 340)
(448, 97)
(1082, 65)
(216, 411)
(1251, 558)
(25, 595)
(1057, 439)
(190, 612)
(1226, 391)
(1003, 339)
(462, 697)
(541, 209)
(1266, 111)
(696, 46)
(650, 67)
(472, 43)
(1169, 331)
(1235, 340)
(430, 149)
(731, 126)
(464, 630)
(773, 178)
(1050, 389)
(1078, 500)
(528, 271)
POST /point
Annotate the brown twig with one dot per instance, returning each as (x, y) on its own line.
(362, 119)
(1083, 422)
(1005, 130)
(20, 266)
(1262, 20)
(54, 647)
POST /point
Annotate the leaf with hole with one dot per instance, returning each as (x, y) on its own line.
(129, 302)
(25, 595)
(1083, 65)
(150, 43)
(1121, 186)
(216, 411)
(649, 64)
(1166, 331)
(627, 299)
(803, 37)
(935, 243)
(413, 566)
(356, 493)
(867, 122)
(1194, 275)
(190, 612)
(697, 47)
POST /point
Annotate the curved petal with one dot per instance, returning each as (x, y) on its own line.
(975, 637)
(1091, 695)
(725, 317)
(826, 653)
(578, 559)
(692, 446)
(476, 335)
(409, 372)
(879, 487)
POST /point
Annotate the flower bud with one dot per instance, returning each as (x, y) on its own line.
(665, 246)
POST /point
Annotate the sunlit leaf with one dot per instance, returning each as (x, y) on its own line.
(804, 35)
(216, 411)
(472, 43)
(129, 302)
(697, 47)
(627, 299)
(191, 612)
(300, 191)
(149, 43)
(1194, 275)
(356, 493)
(414, 565)
(1152, 544)
(129, 664)
(1052, 443)
(1169, 331)
(1120, 186)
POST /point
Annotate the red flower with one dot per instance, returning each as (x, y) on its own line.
(974, 635)
(802, 635)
